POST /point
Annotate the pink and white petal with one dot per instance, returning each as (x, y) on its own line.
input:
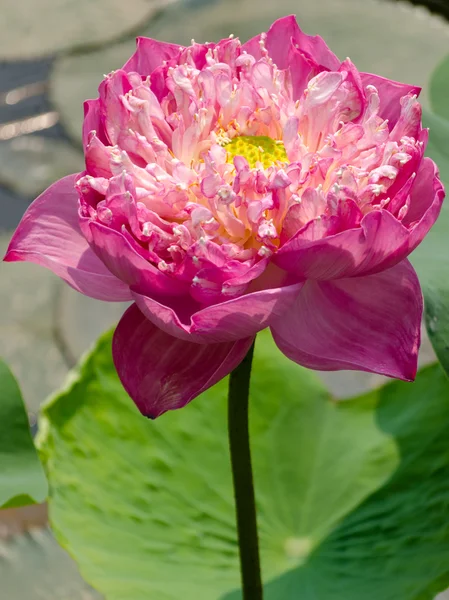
(302, 69)
(427, 195)
(163, 373)
(390, 94)
(125, 263)
(149, 55)
(380, 242)
(364, 323)
(49, 234)
(231, 320)
(409, 122)
(114, 115)
(97, 157)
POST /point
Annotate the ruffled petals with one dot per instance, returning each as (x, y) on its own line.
(163, 373)
(49, 235)
(364, 323)
(117, 253)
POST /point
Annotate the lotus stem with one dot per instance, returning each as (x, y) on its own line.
(242, 474)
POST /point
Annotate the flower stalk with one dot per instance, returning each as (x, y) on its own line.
(245, 503)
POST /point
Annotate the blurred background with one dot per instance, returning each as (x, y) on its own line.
(53, 54)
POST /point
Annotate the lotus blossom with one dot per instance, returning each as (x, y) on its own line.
(231, 187)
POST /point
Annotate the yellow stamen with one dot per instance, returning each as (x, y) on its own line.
(256, 149)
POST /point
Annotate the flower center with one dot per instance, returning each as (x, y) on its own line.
(256, 149)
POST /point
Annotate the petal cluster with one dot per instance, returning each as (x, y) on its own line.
(230, 187)
(213, 162)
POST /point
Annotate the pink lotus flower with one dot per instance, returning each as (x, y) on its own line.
(229, 188)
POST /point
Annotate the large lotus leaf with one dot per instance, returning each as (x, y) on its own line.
(439, 89)
(22, 479)
(352, 496)
(29, 29)
(431, 259)
(388, 38)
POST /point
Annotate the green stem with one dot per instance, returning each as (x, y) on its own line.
(243, 478)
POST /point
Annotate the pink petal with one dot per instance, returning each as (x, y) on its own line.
(231, 320)
(277, 43)
(302, 69)
(427, 197)
(409, 122)
(97, 156)
(49, 235)
(390, 94)
(280, 33)
(125, 263)
(113, 113)
(163, 373)
(92, 122)
(149, 55)
(364, 323)
(380, 242)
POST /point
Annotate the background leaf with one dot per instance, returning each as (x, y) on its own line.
(44, 159)
(56, 25)
(352, 496)
(22, 479)
(439, 89)
(396, 544)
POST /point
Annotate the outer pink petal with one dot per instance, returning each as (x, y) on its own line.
(379, 243)
(390, 93)
(277, 43)
(49, 235)
(149, 55)
(125, 263)
(163, 373)
(427, 197)
(365, 323)
(232, 320)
